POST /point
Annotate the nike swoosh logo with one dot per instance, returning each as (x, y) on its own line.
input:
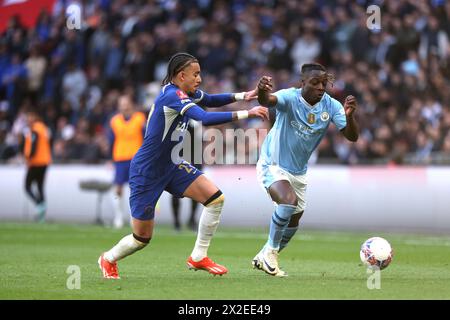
(268, 267)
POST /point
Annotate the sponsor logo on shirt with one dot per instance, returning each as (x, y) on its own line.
(302, 127)
(182, 95)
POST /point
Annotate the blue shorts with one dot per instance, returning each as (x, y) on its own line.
(145, 192)
(122, 171)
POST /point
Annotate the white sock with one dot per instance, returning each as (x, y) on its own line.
(126, 246)
(118, 210)
(207, 225)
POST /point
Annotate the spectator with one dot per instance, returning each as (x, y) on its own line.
(74, 84)
(35, 65)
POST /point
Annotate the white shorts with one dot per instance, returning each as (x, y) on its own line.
(268, 174)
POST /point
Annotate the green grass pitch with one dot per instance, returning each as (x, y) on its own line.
(34, 259)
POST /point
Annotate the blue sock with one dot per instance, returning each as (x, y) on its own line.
(287, 236)
(279, 223)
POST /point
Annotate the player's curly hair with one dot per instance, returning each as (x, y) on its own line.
(178, 62)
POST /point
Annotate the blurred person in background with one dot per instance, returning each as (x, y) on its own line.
(127, 129)
(37, 153)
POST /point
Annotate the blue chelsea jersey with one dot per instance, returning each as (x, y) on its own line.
(298, 129)
(166, 128)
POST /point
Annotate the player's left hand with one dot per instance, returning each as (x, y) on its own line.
(350, 105)
(251, 95)
(259, 111)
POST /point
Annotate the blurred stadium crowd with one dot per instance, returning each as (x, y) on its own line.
(399, 74)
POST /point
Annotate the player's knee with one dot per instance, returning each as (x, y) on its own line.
(289, 198)
(142, 242)
(295, 218)
(217, 199)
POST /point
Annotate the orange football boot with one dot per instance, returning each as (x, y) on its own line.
(208, 265)
(109, 269)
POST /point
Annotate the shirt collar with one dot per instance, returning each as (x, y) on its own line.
(306, 102)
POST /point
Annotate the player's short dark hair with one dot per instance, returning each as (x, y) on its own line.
(307, 67)
(178, 62)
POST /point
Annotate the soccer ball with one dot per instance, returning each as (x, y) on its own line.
(376, 252)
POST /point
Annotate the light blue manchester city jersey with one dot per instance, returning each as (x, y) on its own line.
(298, 129)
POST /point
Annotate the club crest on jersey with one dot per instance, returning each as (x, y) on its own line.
(182, 95)
(311, 118)
(325, 116)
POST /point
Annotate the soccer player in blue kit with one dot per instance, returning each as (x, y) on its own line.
(157, 166)
(302, 118)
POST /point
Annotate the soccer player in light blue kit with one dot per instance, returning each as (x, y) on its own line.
(156, 167)
(302, 118)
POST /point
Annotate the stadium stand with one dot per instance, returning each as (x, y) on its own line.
(399, 74)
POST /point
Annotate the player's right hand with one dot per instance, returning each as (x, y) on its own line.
(265, 83)
(259, 111)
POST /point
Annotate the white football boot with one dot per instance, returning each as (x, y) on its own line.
(267, 261)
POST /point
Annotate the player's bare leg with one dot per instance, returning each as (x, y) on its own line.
(142, 233)
(204, 191)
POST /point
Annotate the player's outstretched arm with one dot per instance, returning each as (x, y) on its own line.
(264, 87)
(218, 100)
(212, 118)
(351, 131)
